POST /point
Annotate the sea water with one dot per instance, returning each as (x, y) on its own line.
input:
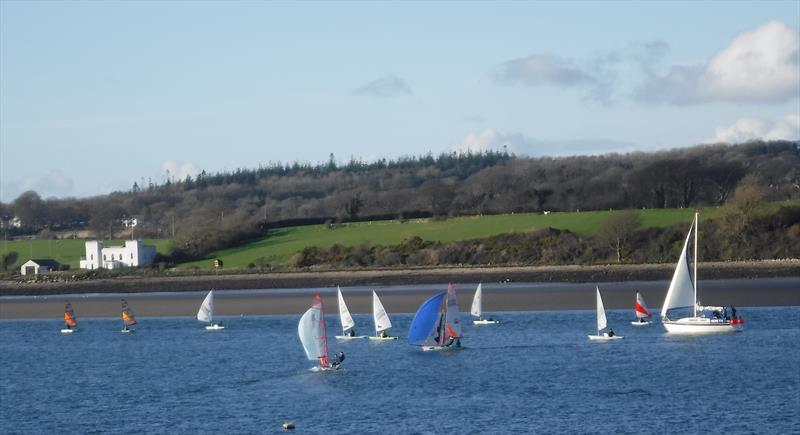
(536, 372)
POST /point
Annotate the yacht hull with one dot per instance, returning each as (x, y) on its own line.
(701, 325)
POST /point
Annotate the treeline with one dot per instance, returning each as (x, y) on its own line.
(211, 211)
(773, 237)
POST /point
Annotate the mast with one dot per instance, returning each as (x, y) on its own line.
(695, 262)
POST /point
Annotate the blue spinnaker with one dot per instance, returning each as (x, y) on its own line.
(425, 320)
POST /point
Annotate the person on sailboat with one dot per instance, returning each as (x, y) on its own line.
(383, 334)
(337, 359)
(610, 332)
(351, 332)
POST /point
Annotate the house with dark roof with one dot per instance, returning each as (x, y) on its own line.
(38, 267)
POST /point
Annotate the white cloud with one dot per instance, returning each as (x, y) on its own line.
(178, 170)
(786, 128)
(385, 87)
(518, 143)
(761, 66)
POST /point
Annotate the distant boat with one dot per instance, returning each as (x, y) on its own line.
(477, 308)
(436, 325)
(682, 293)
(206, 313)
(314, 337)
(642, 313)
(128, 318)
(70, 321)
(348, 325)
(602, 323)
(381, 320)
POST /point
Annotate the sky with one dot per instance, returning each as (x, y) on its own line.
(95, 96)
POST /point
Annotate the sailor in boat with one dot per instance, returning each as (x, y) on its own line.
(351, 332)
(383, 334)
(337, 359)
(610, 333)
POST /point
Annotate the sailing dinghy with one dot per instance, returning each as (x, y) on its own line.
(314, 337)
(642, 313)
(206, 313)
(477, 308)
(381, 319)
(70, 321)
(602, 323)
(436, 325)
(682, 293)
(128, 318)
(348, 324)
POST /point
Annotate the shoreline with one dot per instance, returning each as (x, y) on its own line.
(386, 277)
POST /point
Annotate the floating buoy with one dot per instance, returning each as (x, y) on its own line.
(289, 425)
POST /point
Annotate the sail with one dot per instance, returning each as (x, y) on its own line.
(453, 326)
(344, 313)
(127, 314)
(379, 315)
(311, 330)
(641, 307)
(425, 324)
(69, 315)
(206, 312)
(477, 305)
(681, 289)
(601, 312)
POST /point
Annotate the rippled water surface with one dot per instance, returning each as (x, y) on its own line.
(535, 372)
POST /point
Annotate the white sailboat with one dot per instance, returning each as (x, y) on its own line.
(477, 308)
(682, 293)
(602, 323)
(642, 313)
(206, 313)
(381, 319)
(348, 324)
(314, 337)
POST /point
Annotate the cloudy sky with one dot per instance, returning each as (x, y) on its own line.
(97, 95)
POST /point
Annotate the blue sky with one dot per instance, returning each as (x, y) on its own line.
(97, 95)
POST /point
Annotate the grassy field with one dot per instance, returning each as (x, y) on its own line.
(66, 251)
(279, 247)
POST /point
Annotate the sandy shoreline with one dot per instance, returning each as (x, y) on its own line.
(405, 299)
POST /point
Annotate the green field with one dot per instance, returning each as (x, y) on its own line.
(65, 251)
(279, 247)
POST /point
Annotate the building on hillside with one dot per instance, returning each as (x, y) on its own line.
(130, 223)
(11, 222)
(133, 253)
(38, 267)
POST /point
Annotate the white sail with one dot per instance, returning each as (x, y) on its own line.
(379, 315)
(477, 305)
(601, 312)
(641, 308)
(206, 312)
(344, 313)
(681, 289)
(452, 317)
(309, 331)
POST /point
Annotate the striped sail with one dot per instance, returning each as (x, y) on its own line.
(313, 336)
(127, 314)
(641, 308)
(452, 318)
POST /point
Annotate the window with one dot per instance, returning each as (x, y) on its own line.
(131, 255)
(91, 257)
(104, 257)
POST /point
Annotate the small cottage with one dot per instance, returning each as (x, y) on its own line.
(38, 267)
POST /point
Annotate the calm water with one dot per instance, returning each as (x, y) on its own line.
(536, 372)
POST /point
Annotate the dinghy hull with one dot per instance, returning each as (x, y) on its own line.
(347, 337)
(604, 337)
(67, 331)
(637, 323)
(383, 338)
(485, 322)
(214, 328)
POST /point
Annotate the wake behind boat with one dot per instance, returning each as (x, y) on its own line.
(436, 325)
(682, 294)
(70, 321)
(314, 337)
(381, 319)
(477, 308)
(642, 313)
(128, 318)
(348, 324)
(206, 313)
(602, 323)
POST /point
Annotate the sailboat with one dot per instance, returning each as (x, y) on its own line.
(348, 325)
(128, 318)
(642, 313)
(70, 321)
(477, 308)
(602, 323)
(682, 293)
(314, 337)
(381, 320)
(436, 325)
(206, 313)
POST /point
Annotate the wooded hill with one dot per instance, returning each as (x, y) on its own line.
(212, 211)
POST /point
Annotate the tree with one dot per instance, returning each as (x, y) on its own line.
(617, 230)
(9, 259)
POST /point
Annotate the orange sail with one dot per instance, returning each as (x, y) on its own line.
(127, 314)
(69, 315)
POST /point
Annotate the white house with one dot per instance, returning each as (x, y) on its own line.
(130, 223)
(37, 267)
(133, 253)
